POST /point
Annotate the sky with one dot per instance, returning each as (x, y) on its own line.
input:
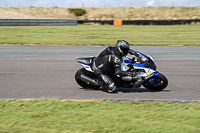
(98, 3)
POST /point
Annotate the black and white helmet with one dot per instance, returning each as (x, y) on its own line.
(122, 47)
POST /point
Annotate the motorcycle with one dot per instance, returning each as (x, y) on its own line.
(144, 66)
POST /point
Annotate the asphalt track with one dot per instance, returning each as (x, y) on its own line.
(48, 71)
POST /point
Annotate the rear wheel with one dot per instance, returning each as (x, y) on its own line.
(83, 83)
(161, 83)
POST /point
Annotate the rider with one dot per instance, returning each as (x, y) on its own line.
(109, 61)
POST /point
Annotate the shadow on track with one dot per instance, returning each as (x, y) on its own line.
(125, 90)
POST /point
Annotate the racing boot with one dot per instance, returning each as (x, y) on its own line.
(112, 88)
(107, 83)
(139, 80)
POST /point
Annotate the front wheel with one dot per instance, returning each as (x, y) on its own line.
(82, 83)
(160, 83)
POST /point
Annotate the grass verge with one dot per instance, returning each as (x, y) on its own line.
(101, 35)
(52, 116)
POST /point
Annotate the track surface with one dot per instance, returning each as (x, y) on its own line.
(48, 71)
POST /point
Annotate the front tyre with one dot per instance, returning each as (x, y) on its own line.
(82, 83)
(160, 81)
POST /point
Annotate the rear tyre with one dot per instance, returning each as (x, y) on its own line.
(81, 82)
(161, 83)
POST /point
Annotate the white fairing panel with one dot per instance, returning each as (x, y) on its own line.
(87, 67)
(124, 66)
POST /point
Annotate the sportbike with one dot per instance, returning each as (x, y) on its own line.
(144, 66)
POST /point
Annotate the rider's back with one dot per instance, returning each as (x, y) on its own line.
(106, 59)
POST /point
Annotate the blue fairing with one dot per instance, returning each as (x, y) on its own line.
(156, 74)
(128, 61)
(141, 54)
(135, 64)
(138, 65)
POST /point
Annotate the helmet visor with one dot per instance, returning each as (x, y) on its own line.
(125, 50)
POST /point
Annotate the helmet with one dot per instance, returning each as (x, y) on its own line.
(122, 47)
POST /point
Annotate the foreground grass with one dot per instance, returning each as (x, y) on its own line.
(41, 116)
(101, 34)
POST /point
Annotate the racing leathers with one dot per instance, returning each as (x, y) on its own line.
(109, 62)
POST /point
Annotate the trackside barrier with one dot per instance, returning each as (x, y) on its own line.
(117, 22)
(102, 22)
(142, 22)
(35, 22)
(161, 22)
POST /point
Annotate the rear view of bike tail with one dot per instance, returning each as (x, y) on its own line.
(85, 76)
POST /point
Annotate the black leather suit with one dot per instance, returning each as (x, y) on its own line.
(108, 62)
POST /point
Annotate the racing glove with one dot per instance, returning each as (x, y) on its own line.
(132, 52)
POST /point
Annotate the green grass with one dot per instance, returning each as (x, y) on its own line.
(101, 34)
(51, 116)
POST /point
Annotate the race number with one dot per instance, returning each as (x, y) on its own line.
(149, 72)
